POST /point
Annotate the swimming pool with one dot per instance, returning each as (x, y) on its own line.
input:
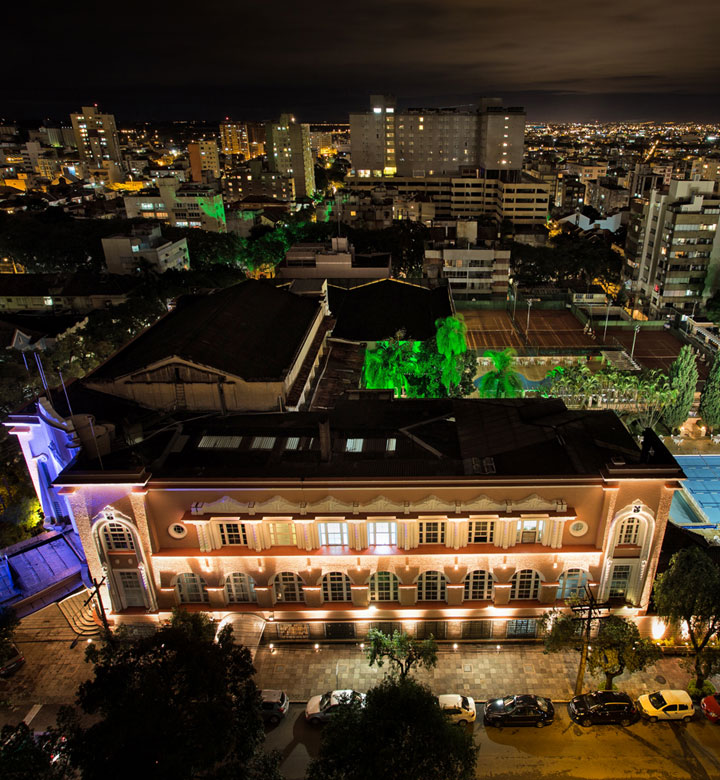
(703, 486)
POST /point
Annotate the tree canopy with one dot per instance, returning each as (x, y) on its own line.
(687, 595)
(401, 651)
(618, 648)
(183, 704)
(502, 381)
(400, 734)
(710, 398)
(683, 380)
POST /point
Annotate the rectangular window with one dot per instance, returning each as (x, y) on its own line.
(480, 531)
(282, 534)
(529, 531)
(620, 581)
(340, 630)
(387, 627)
(391, 445)
(233, 533)
(432, 532)
(477, 629)
(333, 533)
(293, 443)
(263, 442)
(354, 445)
(293, 631)
(428, 628)
(382, 534)
(521, 629)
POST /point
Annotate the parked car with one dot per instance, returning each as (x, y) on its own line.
(274, 706)
(458, 709)
(320, 708)
(524, 710)
(603, 707)
(710, 706)
(666, 705)
(10, 664)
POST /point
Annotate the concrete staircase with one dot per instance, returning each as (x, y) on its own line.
(81, 618)
(620, 360)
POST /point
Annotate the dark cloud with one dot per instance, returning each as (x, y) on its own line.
(232, 56)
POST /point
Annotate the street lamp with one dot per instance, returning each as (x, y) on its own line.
(632, 351)
(607, 315)
(515, 297)
(527, 326)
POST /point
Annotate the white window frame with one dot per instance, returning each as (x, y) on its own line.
(628, 580)
(629, 531)
(524, 530)
(288, 587)
(333, 534)
(191, 588)
(354, 445)
(432, 586)
(384, 586)
(479, 586)
(481, 528)
(278, 534)
(227, 532)
(336, 586)
(431, 528)
(525, 585)
(571, 583)
(240, 588)
(117, 537)
(387, 537)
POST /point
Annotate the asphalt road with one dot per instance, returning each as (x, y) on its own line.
(563, 751)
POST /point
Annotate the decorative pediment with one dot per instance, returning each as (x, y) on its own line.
(110, 514)
(536, 503)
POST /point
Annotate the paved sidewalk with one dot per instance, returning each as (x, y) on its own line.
(479, 670)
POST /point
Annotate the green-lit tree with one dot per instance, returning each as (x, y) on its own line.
(400, 734)
(388, 366)
(687, 595)
(451, 343)
(401, 651)
(503, 381)
(618, 648)
(710, 398)
(683, 380)
(181, 699)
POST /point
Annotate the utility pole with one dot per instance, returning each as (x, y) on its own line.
(607, 316)
(527, 325)
(95, 594)
(592, 608)
(632, 351)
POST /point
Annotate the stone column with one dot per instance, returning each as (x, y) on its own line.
(454, 595)
(408, 595)
(501, 594)
(264, 597)
(548, 591)
(360, 595)
(313, 595)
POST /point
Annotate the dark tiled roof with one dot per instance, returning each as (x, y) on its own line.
(378, 310)
(252, 330)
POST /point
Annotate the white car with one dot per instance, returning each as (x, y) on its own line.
(666, 705)
(320, 708)
(458, 709)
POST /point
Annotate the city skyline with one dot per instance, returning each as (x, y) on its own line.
(572, 64)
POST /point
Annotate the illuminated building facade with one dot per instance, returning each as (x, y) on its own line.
(204, 159)
(465, 519)
(289, 153)
(96, 137)
(181, 205)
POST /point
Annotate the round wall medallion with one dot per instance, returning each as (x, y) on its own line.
(177, 531)
(578, 528)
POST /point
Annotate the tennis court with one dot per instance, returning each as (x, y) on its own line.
(654, 348)
(490, 329)
(552, 328)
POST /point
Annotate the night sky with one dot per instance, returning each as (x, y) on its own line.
(563, 60)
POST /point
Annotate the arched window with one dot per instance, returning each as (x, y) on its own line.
(191, 589)
(336, 587)
(478, 586)
(288, 586)
(239, 588)
(572, 583)
(629, 530)
(431, 586)
(117, 537)
(383, 586)
(525, 584)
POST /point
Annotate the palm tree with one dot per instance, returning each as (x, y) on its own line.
(503, 381)
(387, 367)
(451, 343)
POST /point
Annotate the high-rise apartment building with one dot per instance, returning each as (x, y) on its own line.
(673, 248)
(234, 139)
(288, 150)
(96, 137)
(204, 159)
(436, 141)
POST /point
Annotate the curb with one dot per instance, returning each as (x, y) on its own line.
(477, 701)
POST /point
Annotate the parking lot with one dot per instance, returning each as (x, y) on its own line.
(564, 750)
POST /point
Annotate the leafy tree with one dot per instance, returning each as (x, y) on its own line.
(22, 755)
(687, 595)
(451, 343)
(712, 307)
(183, 703)
(389, 364)
(618, 648)
(402, 652)
(8, 624)
(683, 379)
(710, 398)
(400, 734)
(503, 381)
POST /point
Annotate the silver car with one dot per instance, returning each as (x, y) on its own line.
(320, 708)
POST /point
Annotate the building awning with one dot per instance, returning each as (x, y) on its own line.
(247, 630)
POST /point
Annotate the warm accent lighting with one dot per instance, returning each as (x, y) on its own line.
(455, 646)
(317, 647)
(658, 628)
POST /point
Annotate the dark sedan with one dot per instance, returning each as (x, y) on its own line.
(524, 710)
(603, 707)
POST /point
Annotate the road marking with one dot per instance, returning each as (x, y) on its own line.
(32, 713)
